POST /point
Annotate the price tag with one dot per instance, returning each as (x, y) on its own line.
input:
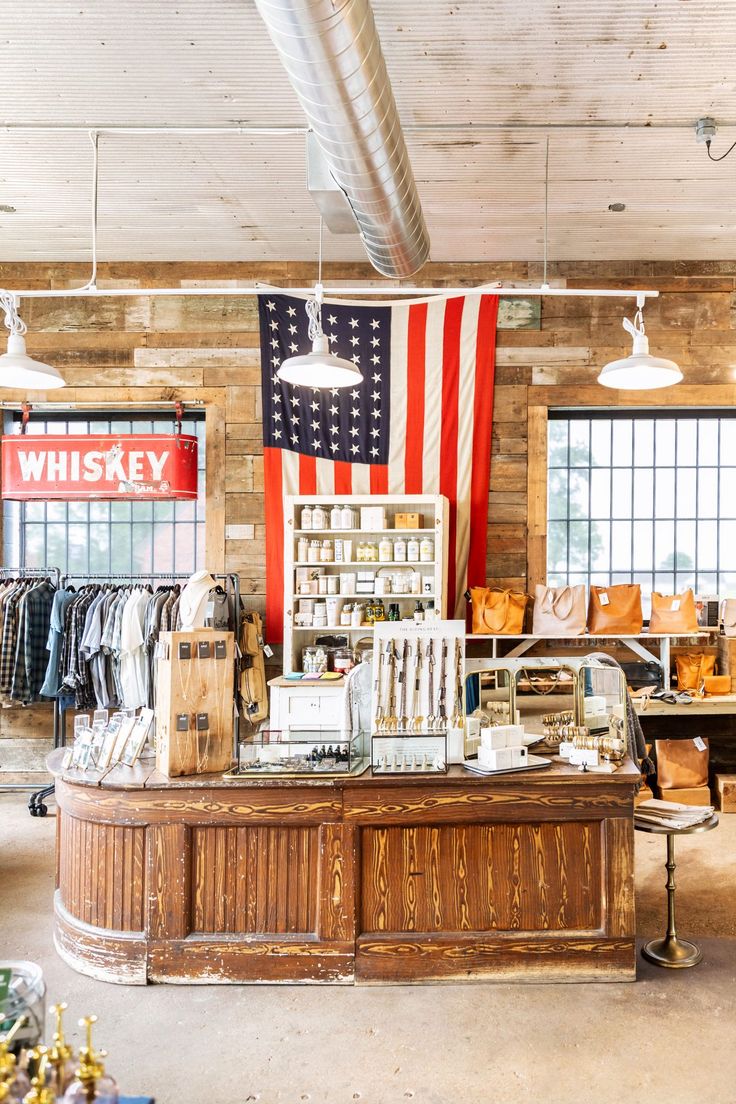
(603, 598)
(267, 651)
(675, 604)
(182, 722)
(699, 743)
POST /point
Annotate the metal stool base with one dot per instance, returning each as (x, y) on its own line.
(671, 952)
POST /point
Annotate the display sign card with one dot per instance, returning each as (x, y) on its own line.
(108, 466)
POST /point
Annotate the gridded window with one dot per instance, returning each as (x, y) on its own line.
(109, 538)
(645, 498)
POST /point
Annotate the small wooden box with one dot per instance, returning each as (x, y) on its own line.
(408, 521)
(726, 792)
(188, 688)
(698, 795)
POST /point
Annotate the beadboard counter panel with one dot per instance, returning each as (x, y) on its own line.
(522, 877)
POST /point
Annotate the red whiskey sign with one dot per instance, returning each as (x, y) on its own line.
(108, 466)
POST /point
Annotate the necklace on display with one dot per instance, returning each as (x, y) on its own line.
(442, 707)
(431, 718)
(392, 719)
(403, 718)
(416, 718)
(458, 715)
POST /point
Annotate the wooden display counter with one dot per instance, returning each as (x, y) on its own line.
(526, 876)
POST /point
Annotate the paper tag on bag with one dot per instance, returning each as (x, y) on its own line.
(699, 743)
(603, 598)
(675, 604)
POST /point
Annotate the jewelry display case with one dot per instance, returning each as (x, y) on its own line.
(417, 702)
(294, 752)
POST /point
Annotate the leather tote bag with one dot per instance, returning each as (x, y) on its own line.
(498, 611)
(693, 668)
(673, 613)
(559, 611)
(681, 765)
(728, 616)
(615, 609)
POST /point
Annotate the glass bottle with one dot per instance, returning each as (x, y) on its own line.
(373, 551)
(313, 552)
(426, 550)
(305, 521)
(400, 550)
(302, 550)
(326, 554)
(385, 550)
(346, 614)
(419, 612)
(379, 612)
(319, 518)
(335, 518)
(393, 611)
(356, 618)
(412, 550)
(91, 1083)
(348, 518)
(430, 613)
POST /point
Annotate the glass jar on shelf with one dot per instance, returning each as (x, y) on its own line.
(343, 660)
(335, 518)
(302, 550)
(326, 552)
(348, 520)
(400, 550)
(314, 660)
(313, 552)
(346, 615)
(385, 550)
(412, 550)
(319, 517)
(426, 550)
(305, 518)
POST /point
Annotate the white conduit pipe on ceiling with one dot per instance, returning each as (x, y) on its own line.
(332, 55)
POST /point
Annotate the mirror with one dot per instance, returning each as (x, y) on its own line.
(602, 688)
(490, 692)
(540, 691)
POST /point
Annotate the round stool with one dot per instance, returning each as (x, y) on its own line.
(670, 951)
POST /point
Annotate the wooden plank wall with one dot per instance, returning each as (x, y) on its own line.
(169, 348)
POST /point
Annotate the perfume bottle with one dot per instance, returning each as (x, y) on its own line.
(91, 1083)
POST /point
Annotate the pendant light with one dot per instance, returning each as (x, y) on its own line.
(17, 369)
(640, 371)
(319, 368)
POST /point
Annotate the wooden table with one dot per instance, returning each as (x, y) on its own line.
(526, 877)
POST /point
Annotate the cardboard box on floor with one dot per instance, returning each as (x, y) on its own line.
(696, 795)
(726, 792)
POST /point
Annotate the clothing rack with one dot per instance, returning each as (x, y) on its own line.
(36, 804)
(49, 572)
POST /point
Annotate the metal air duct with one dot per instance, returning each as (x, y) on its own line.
(332, 55)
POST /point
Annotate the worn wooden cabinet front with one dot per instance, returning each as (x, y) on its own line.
(369, 879)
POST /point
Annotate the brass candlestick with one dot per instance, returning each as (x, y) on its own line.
(61, 1055)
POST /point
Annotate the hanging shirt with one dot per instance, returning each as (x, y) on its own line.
(132, 651)
(52, 680)
(31, 661)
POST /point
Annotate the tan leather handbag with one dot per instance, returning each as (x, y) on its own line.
(498, 611)
(559, 611)
(717, 684)
(693, 668)
(615, 609)
(681, 764)
(673, 613)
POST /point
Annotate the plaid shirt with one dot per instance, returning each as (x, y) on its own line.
(31, 656)
(10, 637)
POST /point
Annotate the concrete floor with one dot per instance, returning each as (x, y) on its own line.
(671, 1037)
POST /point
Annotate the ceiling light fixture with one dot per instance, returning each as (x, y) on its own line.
(319, 368)
(640, 371)
(17, 369)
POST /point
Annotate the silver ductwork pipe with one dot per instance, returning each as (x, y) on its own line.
(332, 55)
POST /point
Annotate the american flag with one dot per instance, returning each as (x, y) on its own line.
(419, 423)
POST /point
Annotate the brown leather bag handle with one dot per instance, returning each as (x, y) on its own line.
(507, 596)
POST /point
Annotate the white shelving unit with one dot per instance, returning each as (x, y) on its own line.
(433, 509)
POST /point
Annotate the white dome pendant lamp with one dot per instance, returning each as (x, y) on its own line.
(17, 369)
(640, 371)
(319, 368)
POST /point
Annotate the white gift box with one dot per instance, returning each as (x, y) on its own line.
(500, 736)
(502, 758)
(372, 517)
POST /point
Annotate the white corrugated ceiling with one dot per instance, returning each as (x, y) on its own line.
(619, 85)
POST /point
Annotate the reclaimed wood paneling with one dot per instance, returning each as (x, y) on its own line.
(255, 880)
(481, 877)
(101, 874)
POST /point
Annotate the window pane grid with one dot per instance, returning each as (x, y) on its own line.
(642, 498)
(108, 538)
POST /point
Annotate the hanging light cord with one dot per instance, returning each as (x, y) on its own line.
(94, 138)
(723, 155)
(13, 321)
(313, 306)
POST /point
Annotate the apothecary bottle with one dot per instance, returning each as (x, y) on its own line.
(348, 518)
(336, 518)
(412, 550)
(356, 618)
(385, 550)
(400, 550)
(327, 552)
(302, 550)
(305, 521)
(313, 553)
(426, 550)
(319, 518)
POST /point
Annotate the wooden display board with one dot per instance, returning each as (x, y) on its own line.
(198, 690)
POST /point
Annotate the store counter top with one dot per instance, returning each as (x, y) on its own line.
(524, 876)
